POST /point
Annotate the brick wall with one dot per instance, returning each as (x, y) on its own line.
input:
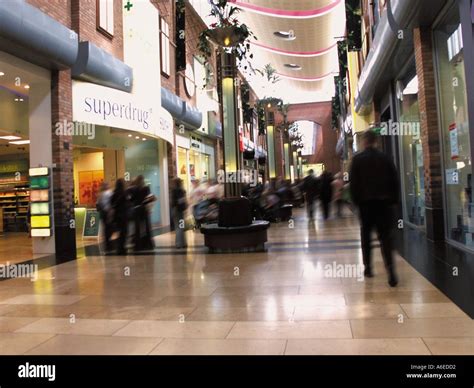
(429, 133)
(166, 8)
(59, 10)
(84, 22)
(326, 138)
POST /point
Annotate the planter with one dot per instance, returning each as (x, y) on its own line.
(226, 36)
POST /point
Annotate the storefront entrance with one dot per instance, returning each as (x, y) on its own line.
(21, 90)
(107, 156)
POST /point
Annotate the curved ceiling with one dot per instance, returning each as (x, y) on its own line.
(313, 28)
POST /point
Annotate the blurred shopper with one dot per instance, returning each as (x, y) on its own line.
(326, 193)
(374, 190)
(337, 190)
(214, 190)
(178, 207)
(104, 207)
(120, 205)
(196, 196)
(311, 189)
(142, 198)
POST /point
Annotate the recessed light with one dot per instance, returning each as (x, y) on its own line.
(26, 86)
(2, 73)
(286, 35)
(293, 66)
(129, 135)
(144, 139)
(21, 99)
(10, 137)
(137, 137)
(20, 142)
(16, 99)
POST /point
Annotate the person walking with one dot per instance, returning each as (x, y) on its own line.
(374, 190)
(337, 190)
(310, 188)
(326, 193)
(141, 197)
(104, 207)
(179, 206)
(121, 207)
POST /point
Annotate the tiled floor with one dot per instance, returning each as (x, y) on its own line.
(288, 300)
(16, 247)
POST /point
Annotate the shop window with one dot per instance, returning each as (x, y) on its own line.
(411, 152)
(105, 16)
(165, 47)
(455, 130)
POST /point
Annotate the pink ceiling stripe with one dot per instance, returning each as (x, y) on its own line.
(287, 13)
(306, 79)
(296, 53)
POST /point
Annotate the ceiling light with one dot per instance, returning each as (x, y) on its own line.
(293, 66)
(129, 135)
(26, 86)
(286, 35)
(144, 139)
(21, 100)
(16, 99)
(20, 142)
(137, 137)
(2, 73)
(10, 137)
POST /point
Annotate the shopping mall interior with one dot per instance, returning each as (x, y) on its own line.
(212, 177)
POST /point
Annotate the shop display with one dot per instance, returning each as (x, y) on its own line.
(14, 202)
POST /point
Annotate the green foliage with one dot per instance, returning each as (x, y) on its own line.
(227, 19)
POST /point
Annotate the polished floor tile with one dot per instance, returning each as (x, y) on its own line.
(241, 314)
(450, 346)
(368, 347)
(43, 299)
(380, 311)
(287, 330)
(10, 324)
(406, 297)
(77, 326)
(432, 327)
(433, 310)
(16, 344)
(168, 329)
(172, 346)
(95, 345)
(286, 300)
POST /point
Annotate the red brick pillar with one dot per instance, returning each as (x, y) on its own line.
(430, 134)
(63, 178)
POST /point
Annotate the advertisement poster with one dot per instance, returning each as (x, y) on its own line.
(453, 140)
(89, 184)
(452, 176)
(92, 223)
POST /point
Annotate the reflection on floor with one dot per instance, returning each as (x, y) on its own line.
(16, 248)
(301, 297)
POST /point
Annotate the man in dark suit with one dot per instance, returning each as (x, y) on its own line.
(374, 188)
(311, 190)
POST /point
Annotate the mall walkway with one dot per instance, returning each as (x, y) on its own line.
(284, 301)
